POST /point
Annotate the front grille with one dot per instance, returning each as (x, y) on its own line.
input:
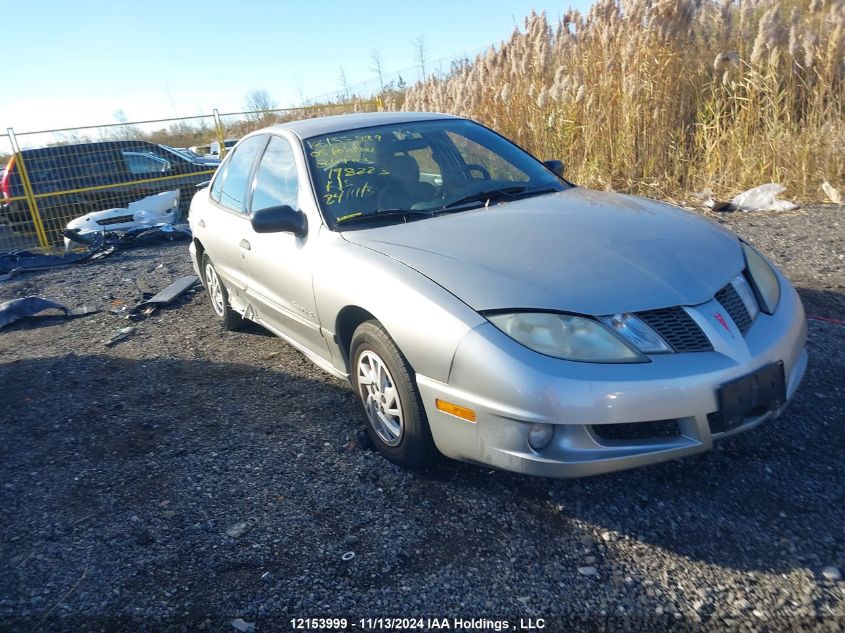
(733, 304)
(626, 431)
(677, 328)
(120, 219)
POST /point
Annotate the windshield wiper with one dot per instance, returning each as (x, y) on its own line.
(490, 194)
(538, 192)
(487, 194)
(382, 214)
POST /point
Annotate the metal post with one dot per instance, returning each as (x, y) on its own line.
(28, 192)
(221, 134)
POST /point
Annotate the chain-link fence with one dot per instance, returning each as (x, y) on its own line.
(117, 176)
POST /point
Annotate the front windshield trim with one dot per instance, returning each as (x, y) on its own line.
(429, 134)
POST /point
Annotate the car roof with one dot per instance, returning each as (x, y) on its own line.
(80, 147)
(306, 128)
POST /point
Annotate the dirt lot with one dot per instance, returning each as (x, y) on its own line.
(122, 469)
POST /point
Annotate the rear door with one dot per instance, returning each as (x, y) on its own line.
(224, 222)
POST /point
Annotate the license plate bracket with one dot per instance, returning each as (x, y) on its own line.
(752, 395)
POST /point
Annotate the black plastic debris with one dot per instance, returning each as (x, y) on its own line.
(16, 309)
(141, 236)
(17, 262)
(147, 307)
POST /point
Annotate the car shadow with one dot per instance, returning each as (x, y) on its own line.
(143, 464)
(769, 500)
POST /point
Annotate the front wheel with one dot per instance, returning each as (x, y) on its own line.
(383, 381)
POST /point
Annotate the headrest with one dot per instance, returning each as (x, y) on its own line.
(402, 167)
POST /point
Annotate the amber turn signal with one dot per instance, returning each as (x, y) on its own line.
(456, 410)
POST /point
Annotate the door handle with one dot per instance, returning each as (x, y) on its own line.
(245, 245)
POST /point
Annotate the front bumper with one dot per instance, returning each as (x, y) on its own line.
(510, 388)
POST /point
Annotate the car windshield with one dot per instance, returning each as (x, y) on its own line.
(425, 168)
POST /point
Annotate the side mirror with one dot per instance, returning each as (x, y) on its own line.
(554, 166)
(282, 219)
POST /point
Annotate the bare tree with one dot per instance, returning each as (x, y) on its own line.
(259, 101)
(420, 55)
(123, 132)
(260, 104)
(375, 56)
(344, 83)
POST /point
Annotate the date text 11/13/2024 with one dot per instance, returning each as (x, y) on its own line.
(416, 624)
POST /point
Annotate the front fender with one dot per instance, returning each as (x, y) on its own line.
(426, 321)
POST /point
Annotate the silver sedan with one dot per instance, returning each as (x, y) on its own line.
(484, 307)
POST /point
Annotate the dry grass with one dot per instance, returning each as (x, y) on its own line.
(669, 97)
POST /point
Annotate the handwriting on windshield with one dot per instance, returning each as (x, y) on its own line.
(349, 166)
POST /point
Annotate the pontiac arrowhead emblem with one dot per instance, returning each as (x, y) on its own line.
(721, 319)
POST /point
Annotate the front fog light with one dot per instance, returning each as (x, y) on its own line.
(540, 435)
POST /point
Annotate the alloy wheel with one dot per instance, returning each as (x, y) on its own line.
(380, 397)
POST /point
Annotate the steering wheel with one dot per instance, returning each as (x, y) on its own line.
(481, 169)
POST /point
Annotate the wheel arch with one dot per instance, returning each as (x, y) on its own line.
(200, 251)
(348, 320)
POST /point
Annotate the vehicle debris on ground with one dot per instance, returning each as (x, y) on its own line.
(832, 193)
(16, 262)
(761, 198)
(122, 333)
(159, 208)
(16, 309)
(147, 307)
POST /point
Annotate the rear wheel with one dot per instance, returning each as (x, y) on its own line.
(228, 318)
(383, 381)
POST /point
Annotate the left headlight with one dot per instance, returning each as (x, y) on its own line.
(566, 336)
(765, 281)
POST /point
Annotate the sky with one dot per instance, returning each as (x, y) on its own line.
(75, 63)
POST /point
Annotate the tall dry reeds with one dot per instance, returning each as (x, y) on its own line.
(668, 97)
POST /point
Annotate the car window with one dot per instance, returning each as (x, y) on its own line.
(353, 169)
(234, 182)
(276, 182)
(444, 165)
(97, 164)
(217, 182)
(144, 163)
(479, 159)
(429, 168)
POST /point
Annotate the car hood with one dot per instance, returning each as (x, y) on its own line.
(579, 251)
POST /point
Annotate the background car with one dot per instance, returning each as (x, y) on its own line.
(103, 175)
(214, 147)
(194, 157)
(481, 304)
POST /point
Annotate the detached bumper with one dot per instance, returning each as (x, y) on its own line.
(510, 388)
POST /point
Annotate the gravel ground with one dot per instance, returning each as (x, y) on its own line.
(122, 468)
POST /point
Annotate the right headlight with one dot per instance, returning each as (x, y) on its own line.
(566, 336)
(764, 279)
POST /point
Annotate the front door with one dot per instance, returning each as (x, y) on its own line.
(279, 264)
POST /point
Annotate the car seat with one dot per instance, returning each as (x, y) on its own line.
(404, 189)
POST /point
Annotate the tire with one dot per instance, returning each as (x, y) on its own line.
(219, 296)
(395, 418)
